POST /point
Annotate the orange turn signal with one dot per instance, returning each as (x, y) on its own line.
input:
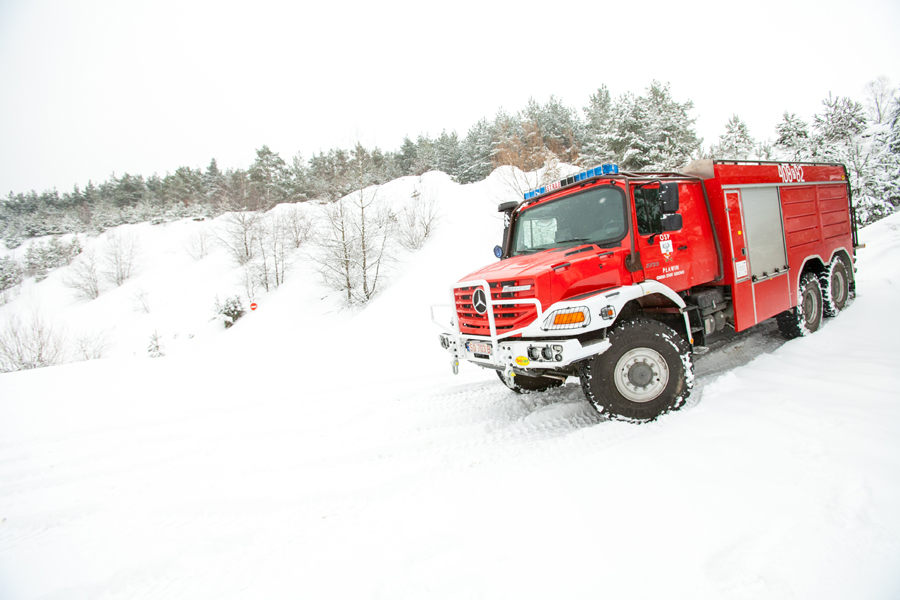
(569, 318)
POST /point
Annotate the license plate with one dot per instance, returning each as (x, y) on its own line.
(478, 348)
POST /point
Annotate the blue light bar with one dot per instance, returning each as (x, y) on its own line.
(607, 169)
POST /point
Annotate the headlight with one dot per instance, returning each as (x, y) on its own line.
(568, 318)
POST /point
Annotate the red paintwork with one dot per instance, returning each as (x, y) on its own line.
(555, 277)
(692, 260)
(816, 214)
(816, 218)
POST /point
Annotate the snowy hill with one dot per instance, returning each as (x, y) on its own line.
(311, 451)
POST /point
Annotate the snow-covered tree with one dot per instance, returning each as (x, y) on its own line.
(793, 141)
(269, 178)
(353, 248)
(555, 126)
(653, 132)
(736, 143)
(10, 277)
(475, 152)
(879, 94)
(447, 154)
(842, 135)
(595, 148)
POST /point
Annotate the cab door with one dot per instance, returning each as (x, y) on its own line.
(661, 239)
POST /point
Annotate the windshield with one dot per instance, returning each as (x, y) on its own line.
(594, 216)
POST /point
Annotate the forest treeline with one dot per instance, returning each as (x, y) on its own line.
(648, 131)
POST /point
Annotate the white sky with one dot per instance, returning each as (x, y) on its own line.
(88, 88)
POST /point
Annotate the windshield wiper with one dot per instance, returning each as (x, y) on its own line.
(576, 240)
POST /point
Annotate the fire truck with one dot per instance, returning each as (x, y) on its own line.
(614, 277)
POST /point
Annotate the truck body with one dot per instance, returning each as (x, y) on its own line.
(614, 277)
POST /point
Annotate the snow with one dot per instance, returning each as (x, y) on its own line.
(314, 451)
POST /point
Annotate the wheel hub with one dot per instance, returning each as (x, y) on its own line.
(837, 286)
(810, 307)
(641, 375)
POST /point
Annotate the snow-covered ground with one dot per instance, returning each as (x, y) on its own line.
(314, 452)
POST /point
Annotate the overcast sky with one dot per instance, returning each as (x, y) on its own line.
(88, 88)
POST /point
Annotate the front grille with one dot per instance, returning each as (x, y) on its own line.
(506, 316)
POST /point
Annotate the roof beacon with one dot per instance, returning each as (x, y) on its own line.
(607, 169)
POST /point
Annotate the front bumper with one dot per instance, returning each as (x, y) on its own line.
(521, 356)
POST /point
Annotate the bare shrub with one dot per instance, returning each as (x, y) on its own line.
(298, 225)
(273, 239)
(84, 276)
(355, 247)
(120, 256)
(30, 344)
(417, 221)
(90, 345)
(249, 280)
(200, 243)
(240, 233)
(142, 301)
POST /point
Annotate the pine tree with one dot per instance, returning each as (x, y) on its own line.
(214, 185)
(447, 154)
(794, 139)
(475, 152)
(652, 132)
(841, 123)
(842, 135)
(736, 143)
(407, 156)
(596, 148)
(269, 178)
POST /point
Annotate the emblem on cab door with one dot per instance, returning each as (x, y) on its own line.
(479, 301)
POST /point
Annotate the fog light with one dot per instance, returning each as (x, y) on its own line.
(547, 353)
(534, 353)
(445, 342)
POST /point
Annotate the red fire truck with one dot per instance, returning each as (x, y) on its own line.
(613, 277)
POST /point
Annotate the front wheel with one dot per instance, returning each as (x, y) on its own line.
(646, 372)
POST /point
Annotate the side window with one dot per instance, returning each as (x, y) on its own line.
(648, 210)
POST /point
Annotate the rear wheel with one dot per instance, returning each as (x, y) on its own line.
(646, 372)
(835, 284)
(523, 383)
(806, 317)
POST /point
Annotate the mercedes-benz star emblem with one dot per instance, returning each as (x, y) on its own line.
(479, 301)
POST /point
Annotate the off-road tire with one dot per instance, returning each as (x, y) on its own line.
(646, 372)
(835, 285)
(523, 384)
(806, 317)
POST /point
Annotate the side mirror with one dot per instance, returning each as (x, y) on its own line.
(669, 195)
(672, 222)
